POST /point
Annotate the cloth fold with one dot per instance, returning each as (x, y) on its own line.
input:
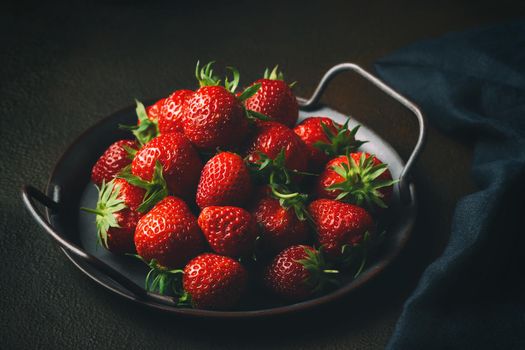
(471, 85)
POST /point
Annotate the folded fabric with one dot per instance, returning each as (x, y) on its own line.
(471, 85)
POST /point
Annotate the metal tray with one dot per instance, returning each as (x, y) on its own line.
(69, 188)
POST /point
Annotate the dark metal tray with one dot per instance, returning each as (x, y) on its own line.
(69, 188)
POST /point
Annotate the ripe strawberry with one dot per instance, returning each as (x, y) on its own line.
(364, 180)
(214, 282)
(225, 180)
(275, 99)
(171, 113)
(117, 215)
(114, 159)
(325, 139)
(339, 224)
(270, 138)
(230, 231)
(180, 164)
(168, 234)
(215, 117)
(154, 110)
(298, 272)
(279, 227)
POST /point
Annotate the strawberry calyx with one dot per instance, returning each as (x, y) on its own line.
(205, 75)
(232, 85)
(278, 177)
(156, 189)
(165, 281)
(321, 275)
(361, 183)
(343, 141)
(108, 204)
(265, 168)
(356, 255)
(146, 129)
(288, 199)
(276, 74)
(161, 279)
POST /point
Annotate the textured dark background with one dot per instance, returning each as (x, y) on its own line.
(63, 67)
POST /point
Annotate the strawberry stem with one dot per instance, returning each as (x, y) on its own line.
(92, 211)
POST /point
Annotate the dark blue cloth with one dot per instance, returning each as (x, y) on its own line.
(471, 85)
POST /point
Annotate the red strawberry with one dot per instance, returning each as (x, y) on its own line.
(279, 227)
(214, 282)
(274, 99)
(325, 138)
(339, 224)
(117, 215)
(225, 180)
(168, 234)
(171, 114)
(114, 159)
(297, 273)
(230, 231)
(180, 163)
(154, 110)
(214, 117)
(363, 181)
(270, 138)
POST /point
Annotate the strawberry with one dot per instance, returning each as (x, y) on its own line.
(171, 113)
(279, 227)
(180, 165)
(225, 180)
(154, 110)
(117, 215)
(274, 99)
(114, 159)
(339, 224)
(168, 235)
(215, 117)
(325, 139)
(359, 178)
(298, 272)
(230, 231)
(270, 138)
(214, 282)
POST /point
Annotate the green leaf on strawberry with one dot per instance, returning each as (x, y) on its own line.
(146, 129)
(156, 189)
(108, 204)
(205, 75)
(320, 273)
(361, 181)
(343, 141)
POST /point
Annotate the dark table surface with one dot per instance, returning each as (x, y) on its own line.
(63, 67)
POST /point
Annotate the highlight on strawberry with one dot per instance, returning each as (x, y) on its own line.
(218, 192)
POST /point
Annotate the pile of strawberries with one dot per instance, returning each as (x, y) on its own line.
(221, 191)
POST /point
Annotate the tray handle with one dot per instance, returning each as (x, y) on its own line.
(404, 177)
(29, 194)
